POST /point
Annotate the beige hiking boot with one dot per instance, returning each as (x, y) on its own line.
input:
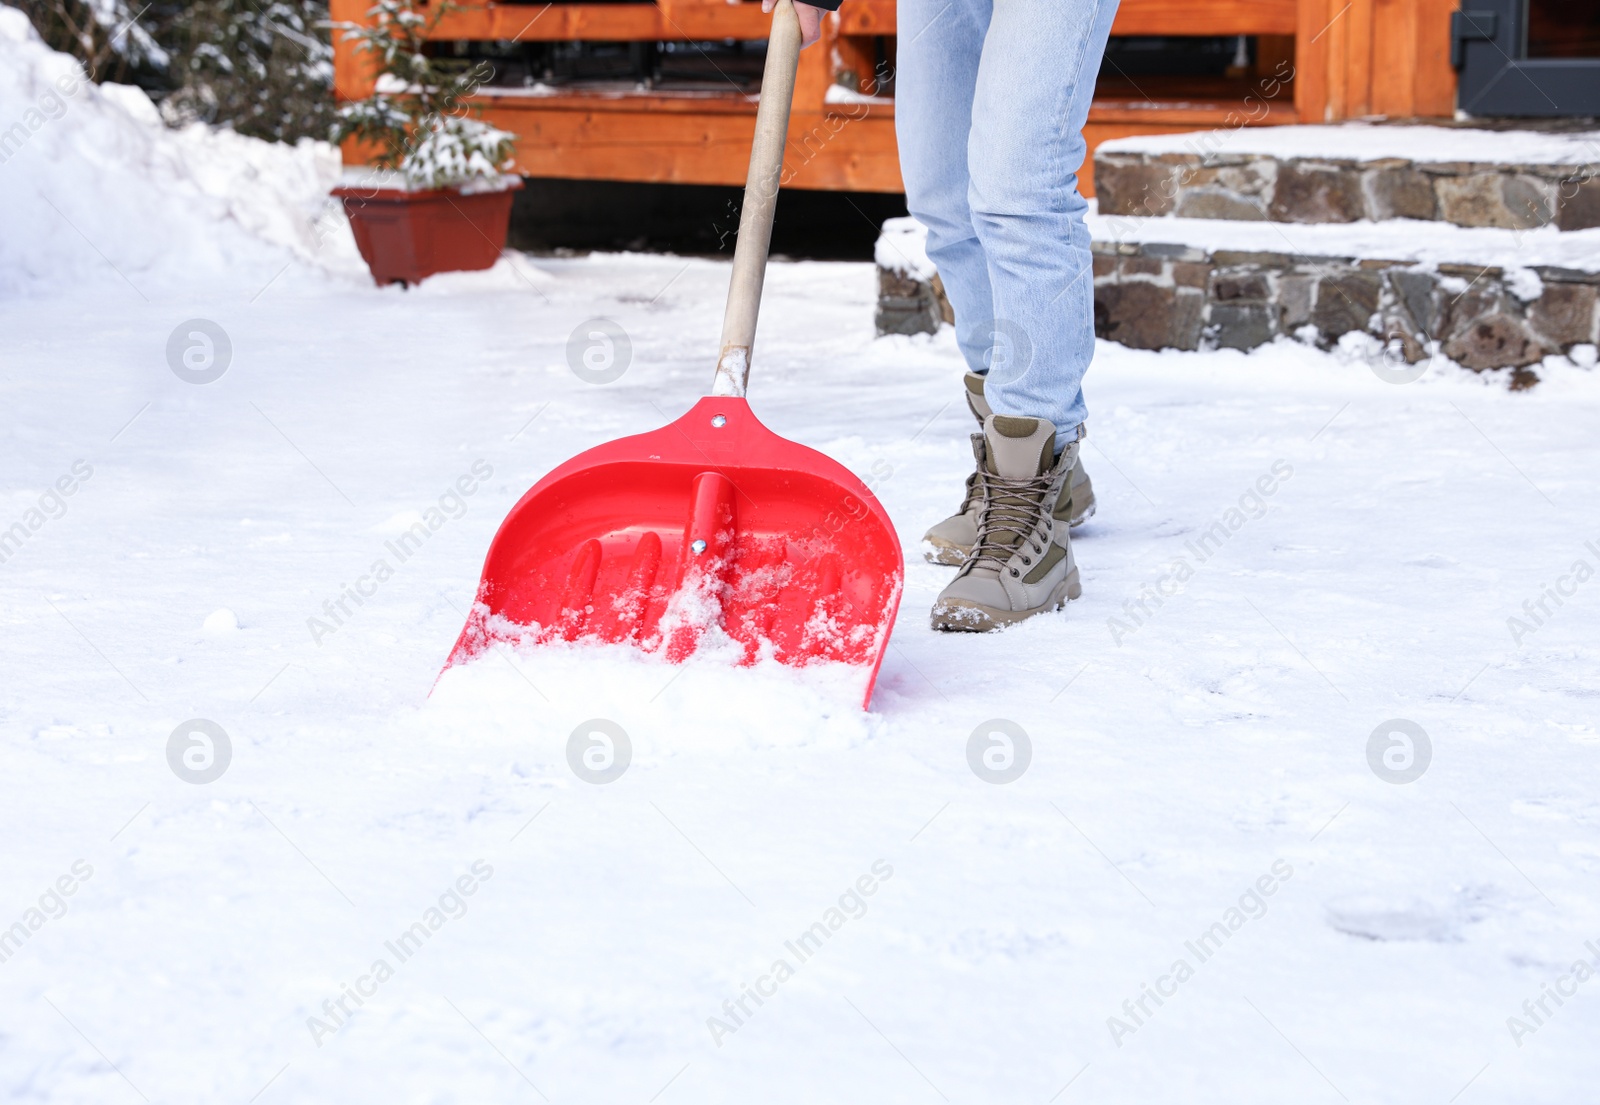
(951, 541)
(1021, 562)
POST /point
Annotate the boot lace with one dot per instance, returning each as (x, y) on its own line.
(972, 496)
(1010, 509)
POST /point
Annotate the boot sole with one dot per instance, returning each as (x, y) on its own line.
(962, 616)
(935, 551)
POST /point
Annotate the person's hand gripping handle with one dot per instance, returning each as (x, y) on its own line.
(810, 20)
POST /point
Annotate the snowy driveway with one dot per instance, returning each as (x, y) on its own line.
(1201, 888)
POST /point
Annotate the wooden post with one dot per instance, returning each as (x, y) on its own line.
(1434, 87)
(1358, 44)
(815, 74)
(1355, 58)
(1311, 62)
(853, 56)
(355, 74)
(1394, 58)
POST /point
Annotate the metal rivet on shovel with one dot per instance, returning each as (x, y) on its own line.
(749, 528)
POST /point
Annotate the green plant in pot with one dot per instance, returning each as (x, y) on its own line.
(438, 195)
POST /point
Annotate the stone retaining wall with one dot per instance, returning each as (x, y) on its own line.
(1302, 190)
(1154, 296)
(1160, 296)
(909, 305)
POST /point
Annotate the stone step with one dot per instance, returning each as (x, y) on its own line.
(1484, 298)
(1511, 179)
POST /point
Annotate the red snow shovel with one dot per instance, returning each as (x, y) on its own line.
(714, 527)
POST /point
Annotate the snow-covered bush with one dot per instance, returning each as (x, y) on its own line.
(418, 116)
(262, 67)
(114, 39)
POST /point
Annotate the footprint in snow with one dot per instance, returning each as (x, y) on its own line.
(1372, 917)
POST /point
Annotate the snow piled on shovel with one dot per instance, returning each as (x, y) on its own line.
(692, 629)
(710, 701)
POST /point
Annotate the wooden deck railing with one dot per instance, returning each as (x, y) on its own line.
(1318, 61)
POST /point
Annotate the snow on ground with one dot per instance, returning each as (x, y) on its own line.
(1375, 142)
(96, 191)
(1431, 243)
(1207, 763)
(903, 245)
(248, 860)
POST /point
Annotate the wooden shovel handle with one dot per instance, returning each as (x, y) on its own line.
(760, 201)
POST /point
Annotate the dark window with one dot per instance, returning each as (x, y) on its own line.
(1536, 58)
(1563, 29)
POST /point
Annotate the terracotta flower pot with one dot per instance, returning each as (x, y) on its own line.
(406, 236)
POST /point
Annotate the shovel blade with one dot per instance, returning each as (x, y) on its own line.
(712, 527)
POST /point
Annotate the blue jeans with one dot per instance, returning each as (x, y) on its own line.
(990, 101)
